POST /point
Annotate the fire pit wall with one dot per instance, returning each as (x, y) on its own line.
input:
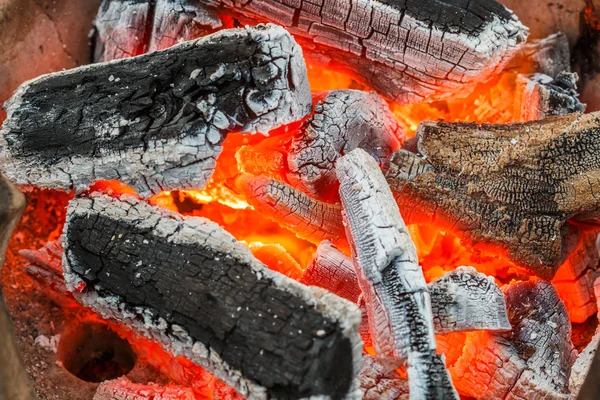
(175, 276)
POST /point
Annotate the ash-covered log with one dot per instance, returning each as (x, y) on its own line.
(539, 96)
(531, 362)
(343, 121)
(407, 51)
(516, 186)
(308, 218)
(123, 389)
(155, 122)
(191, 287)
(461, 300)
(390, 277)
(127, 28)
(378, 382)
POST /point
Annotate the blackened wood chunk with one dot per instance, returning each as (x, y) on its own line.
(343, 121)
(310, 219)
(390, 277)
(514, 186)
(541, 96)
(157, 121)
(406, 50)
(127, 28)
(533, 361)
(190, 286)
(549, 56)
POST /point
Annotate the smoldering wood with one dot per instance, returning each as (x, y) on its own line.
(308, 218)
(461, 300)
(549, 56)
(515, 187)
(14, 380)
(191, 287)
(127, 28)
(123, 389)
(343, 121)
(407, 51)
(155, 122)
(389, 275)
(540, 96)
(532, 361)
(378, 382)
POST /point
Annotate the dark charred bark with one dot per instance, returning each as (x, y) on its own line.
(14, 380)
(518, 187)
(343, 121)
(406, 50)
(398, 302)
(190, 286)
(157, 121)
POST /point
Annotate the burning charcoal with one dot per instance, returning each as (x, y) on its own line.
(512, 186)
(14, 379)
(378, 382)
(549, 56)
(540, 96)
(332, 270)
(461, 300)
(531, 362)
(308, 218)
(155, 122)
(122, 26)
(191, 287)
(407, 51)
(391, 280)
(343, 121)
(124, 389)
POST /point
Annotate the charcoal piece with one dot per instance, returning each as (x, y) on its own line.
(191, 287)
(127, 28)
(389, 275)
(123, 389)
(308, 218)
(461, 300)
(540, 96)
(343, 121)
(378, 382)
(521, 188)
(155, 122)
(408, 51)
(533, 361)
(549, 56)
(14, 379)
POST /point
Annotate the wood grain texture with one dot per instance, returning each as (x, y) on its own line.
(390, 277)
(191, 287)
(155, 122)
(515, 186)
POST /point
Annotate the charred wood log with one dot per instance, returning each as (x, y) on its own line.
(390, 277)
(533, 361)
(124, 389)
(343, 121)
(461, 300)
(549, 56)
(308, 218)
(191, 287)
(157, 121)
(513, 186)
(407, 51)
(127, 28)
(378, 382)
(14, 380)
(540, 96)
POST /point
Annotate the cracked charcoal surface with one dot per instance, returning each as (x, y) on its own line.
(155, 122)
(389, 275)
(123, 389)
(127, 28)
(543, 96)
(531, 362)
(378, 382)
(514, 186)
(406, 50)
(190, 286)
(343, 121)
(461, 300)
(310, 219)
